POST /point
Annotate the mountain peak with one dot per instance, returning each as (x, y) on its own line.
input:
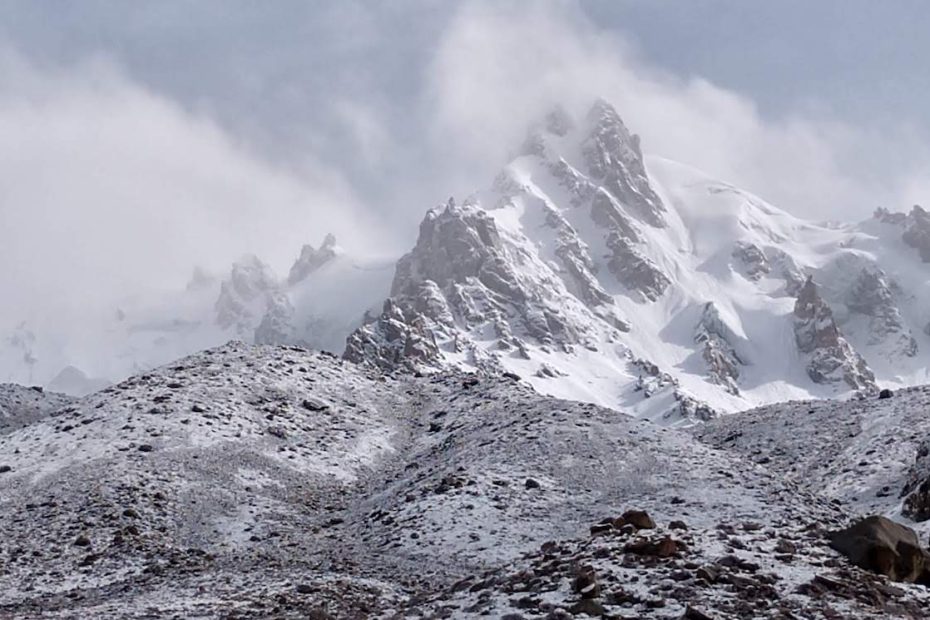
(311, 259)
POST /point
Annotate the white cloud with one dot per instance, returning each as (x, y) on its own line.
(499, 66)
(107, 189)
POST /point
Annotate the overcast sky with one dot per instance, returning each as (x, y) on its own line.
(138, 139)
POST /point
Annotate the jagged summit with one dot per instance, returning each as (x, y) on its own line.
(311, 259)
(586, 262)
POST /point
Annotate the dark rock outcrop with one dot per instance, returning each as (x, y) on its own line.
(614, 158)
(917, 232)
(831, 358)
(752, 260)
(718, 350)
(244, 295)
(916, 492)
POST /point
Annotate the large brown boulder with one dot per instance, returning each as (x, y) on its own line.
(882, 546)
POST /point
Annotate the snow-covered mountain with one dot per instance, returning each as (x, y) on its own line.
(273, 482)
(590, 269)
(641, 284)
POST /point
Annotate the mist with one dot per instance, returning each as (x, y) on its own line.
(118, 180)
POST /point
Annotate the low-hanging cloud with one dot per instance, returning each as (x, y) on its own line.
(110, 190)
(498, 63)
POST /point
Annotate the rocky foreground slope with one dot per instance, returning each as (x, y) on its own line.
(258, 482)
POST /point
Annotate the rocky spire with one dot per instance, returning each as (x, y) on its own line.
(311, 259)
(831, 357)
(614, 158)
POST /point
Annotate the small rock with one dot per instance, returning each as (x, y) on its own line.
(531, 484)
(708, 573)
(785, 546)
(694, 614)
(314, 404)
(639, 519)
(585, 583)
(89, 559)
(588, 607)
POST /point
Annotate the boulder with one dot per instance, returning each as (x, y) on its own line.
(883, 546)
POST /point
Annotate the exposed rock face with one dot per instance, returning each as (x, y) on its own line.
(578, 264)
(880, 545)
(633, 270)
(872, 295)
(394, 340)
(619, 195)
(723, 361)
(614, 158)
(787, 268)
(244, 295)
(916, 225)
(460, 279)
(832, 358)
(277, 324)
(752, 259)
(311, 259)
(917, 232)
